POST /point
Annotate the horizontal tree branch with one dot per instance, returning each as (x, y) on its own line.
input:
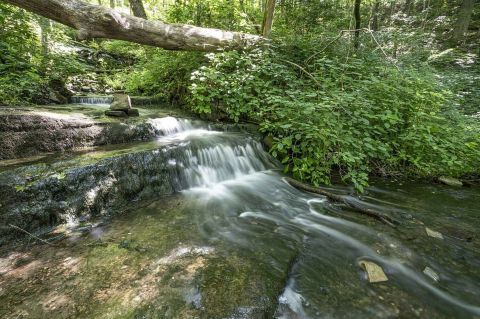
(93, 21)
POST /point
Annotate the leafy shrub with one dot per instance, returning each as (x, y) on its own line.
(359, 116)
(163, 73)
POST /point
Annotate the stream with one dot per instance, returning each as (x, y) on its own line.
(233, 240)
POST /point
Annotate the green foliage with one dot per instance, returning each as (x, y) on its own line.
(222, 14)
(163, 73)
(19, 77)
(359, 116)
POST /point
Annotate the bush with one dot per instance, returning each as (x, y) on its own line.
(358, 117)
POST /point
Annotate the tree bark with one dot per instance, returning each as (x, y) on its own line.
(92, 21)
(463, 20)
(138, 9)
(356, 12)
(268, 18)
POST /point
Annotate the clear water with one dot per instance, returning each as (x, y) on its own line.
(235, 205)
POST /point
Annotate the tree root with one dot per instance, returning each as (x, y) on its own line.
(349, 201)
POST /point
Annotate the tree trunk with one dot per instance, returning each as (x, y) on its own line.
(375, 9)
(138, 9)
(463, 20)
(94, 21)
(268, 18)
(356, 12)
(45, 26)
(112, 4)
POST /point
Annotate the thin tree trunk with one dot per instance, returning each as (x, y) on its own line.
(463, 20)
(92, 21)
(138, 9)
(376, 8)
(268, 18)
(407, 7)
(356, 12)
(45, 25)
(112, 4)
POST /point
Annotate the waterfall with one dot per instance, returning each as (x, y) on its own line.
(170, 125)
(99, 100)
(209, 157)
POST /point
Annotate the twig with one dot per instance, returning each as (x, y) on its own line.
(329, 43)
(347, 200)
(369, 31)
(303, 70)
(30, 234)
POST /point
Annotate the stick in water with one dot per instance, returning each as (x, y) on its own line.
(30, 234)
(347, 200)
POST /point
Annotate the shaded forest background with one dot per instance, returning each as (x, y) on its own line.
(387, 87)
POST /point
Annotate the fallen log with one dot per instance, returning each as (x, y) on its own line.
(349, 201)
(93, 21)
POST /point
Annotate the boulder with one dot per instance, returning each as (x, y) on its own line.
(133, 112)
(116, 113)
(121, 102)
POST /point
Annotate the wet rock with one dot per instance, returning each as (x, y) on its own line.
(450, 181)
(374, 272)
(28, 134)
(116, 113)
(98, 189)
(431, 273)
(432, 233)
(133, 112)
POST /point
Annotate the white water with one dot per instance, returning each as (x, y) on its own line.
(95, 100)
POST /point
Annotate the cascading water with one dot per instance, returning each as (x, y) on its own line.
(97, 100)
(236, 240)
(239, 198)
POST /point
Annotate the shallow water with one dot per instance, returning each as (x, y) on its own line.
(237, 241)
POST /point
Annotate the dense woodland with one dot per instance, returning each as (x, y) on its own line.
(354, 87)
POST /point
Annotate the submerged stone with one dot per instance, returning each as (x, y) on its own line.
(433, 233)
(374, 272)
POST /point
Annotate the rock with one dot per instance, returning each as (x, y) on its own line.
(433, 233)
(56, 98)
(121, 102)
(116, 113)
(133, 112)
(375, 272)
(431, 273)
(450, 181)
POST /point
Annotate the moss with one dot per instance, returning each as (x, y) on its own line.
(237, 283)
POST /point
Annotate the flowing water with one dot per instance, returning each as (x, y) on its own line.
(92, 100)
(296, 252)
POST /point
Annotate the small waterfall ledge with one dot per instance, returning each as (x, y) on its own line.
(92, 100)
(183, 157)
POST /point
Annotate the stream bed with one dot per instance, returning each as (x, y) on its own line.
(212, 230)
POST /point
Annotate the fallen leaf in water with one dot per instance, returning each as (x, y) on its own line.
(431, 273)
(375, 272)
(434, 234)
